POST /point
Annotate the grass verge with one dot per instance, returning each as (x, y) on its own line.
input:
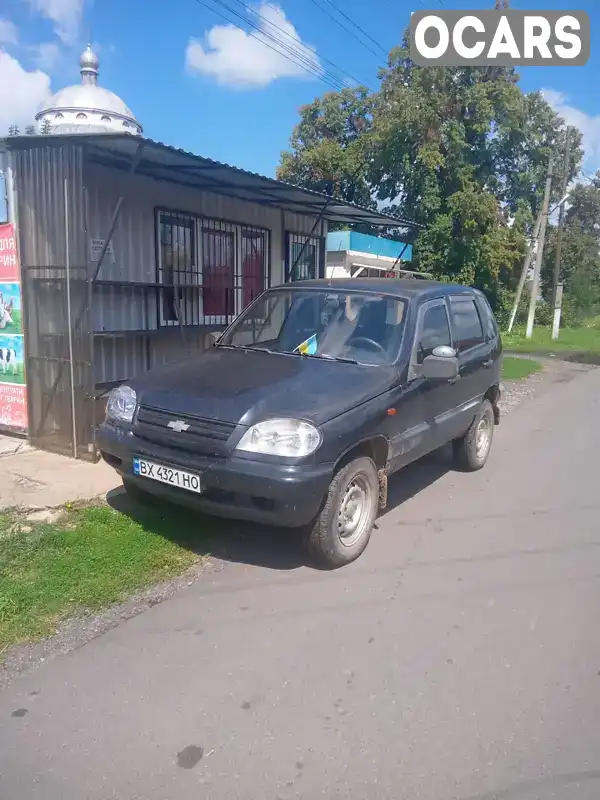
(88, 559)
(571, 340)
(515, 368)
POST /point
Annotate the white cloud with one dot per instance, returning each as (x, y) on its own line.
(236, 58)
(8, 32)
(21, 93)
(588, 125)
(46, 55)
(65, 14)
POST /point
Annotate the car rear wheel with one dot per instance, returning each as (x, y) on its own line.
(343, 528)
(471, 451)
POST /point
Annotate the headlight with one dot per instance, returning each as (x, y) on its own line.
(121, 404)
(281, 437)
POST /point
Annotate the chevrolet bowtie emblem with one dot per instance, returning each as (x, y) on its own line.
(178, 425)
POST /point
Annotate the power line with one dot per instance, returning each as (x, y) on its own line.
(357, 26)
(348, 30)
(289, 36)
(295, 55)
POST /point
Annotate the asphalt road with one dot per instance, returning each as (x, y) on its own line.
(459, 658)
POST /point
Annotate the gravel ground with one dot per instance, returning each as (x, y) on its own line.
(77, 631)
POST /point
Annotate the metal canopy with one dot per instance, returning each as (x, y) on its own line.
(165, 163)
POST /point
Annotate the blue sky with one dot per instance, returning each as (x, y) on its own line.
(143, 47)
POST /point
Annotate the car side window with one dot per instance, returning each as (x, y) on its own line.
(467, 329)
(489, 321)
(434, 331)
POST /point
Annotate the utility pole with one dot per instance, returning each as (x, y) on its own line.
(561, 216)
(535, 287)
(524, 271)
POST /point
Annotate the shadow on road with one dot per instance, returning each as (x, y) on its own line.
(259, 545)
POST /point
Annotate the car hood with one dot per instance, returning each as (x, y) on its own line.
(246, 386)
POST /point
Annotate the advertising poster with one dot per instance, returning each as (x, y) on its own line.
(13, 390)
(9, 265)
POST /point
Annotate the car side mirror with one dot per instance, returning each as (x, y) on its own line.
(213, 338)
(441, 365)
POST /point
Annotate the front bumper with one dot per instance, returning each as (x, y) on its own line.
(235, 487)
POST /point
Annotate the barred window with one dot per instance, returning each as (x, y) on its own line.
(303, 256)
(211, 270)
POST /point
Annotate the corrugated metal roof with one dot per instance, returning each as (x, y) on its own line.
(163, 162)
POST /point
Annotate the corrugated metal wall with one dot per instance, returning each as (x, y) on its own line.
(52, 235)
(134, 237)
(133, 258)
(41, 176)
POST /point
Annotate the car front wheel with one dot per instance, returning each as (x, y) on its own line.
(471, 451)
(343, 528)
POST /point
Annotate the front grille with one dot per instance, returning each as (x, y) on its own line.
(204, 436)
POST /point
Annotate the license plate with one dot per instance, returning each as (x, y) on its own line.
(168, 475)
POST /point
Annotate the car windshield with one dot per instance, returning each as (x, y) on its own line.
(355, 326)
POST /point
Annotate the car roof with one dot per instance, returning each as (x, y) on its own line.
(408, 288)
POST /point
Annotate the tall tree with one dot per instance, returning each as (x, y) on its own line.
(329, 146)
(460, 150)
(580, 252)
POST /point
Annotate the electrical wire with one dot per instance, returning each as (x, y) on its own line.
(357, 26)
(293, 55)
(295, 41)
(348, 30)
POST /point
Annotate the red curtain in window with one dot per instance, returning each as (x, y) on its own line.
(218, 273)
(253, 265)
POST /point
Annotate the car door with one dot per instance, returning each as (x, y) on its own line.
(422, 401)
(474, 350)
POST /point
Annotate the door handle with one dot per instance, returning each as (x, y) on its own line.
(488, 362)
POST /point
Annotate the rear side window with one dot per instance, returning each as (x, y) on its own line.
(489, 321)
(435, 331)
(467, 329)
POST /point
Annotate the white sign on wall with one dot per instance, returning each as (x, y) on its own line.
(96, 246)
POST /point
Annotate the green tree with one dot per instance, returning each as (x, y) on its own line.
(580, 252)
(461, 151)
(329, 146)
(46, 127)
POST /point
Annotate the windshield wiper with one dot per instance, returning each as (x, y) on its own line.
(246, 347)
(327, 357)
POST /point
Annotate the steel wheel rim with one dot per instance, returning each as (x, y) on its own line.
(354, 511)
(483, 437)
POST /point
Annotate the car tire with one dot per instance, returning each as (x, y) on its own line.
(343, 528)
(471, 451)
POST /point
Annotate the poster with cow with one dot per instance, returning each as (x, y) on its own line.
(11, 359)
(10, 308)
(13, 389)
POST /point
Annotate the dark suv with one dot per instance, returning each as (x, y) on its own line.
(309, 401)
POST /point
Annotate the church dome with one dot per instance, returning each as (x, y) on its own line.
(87, 107)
